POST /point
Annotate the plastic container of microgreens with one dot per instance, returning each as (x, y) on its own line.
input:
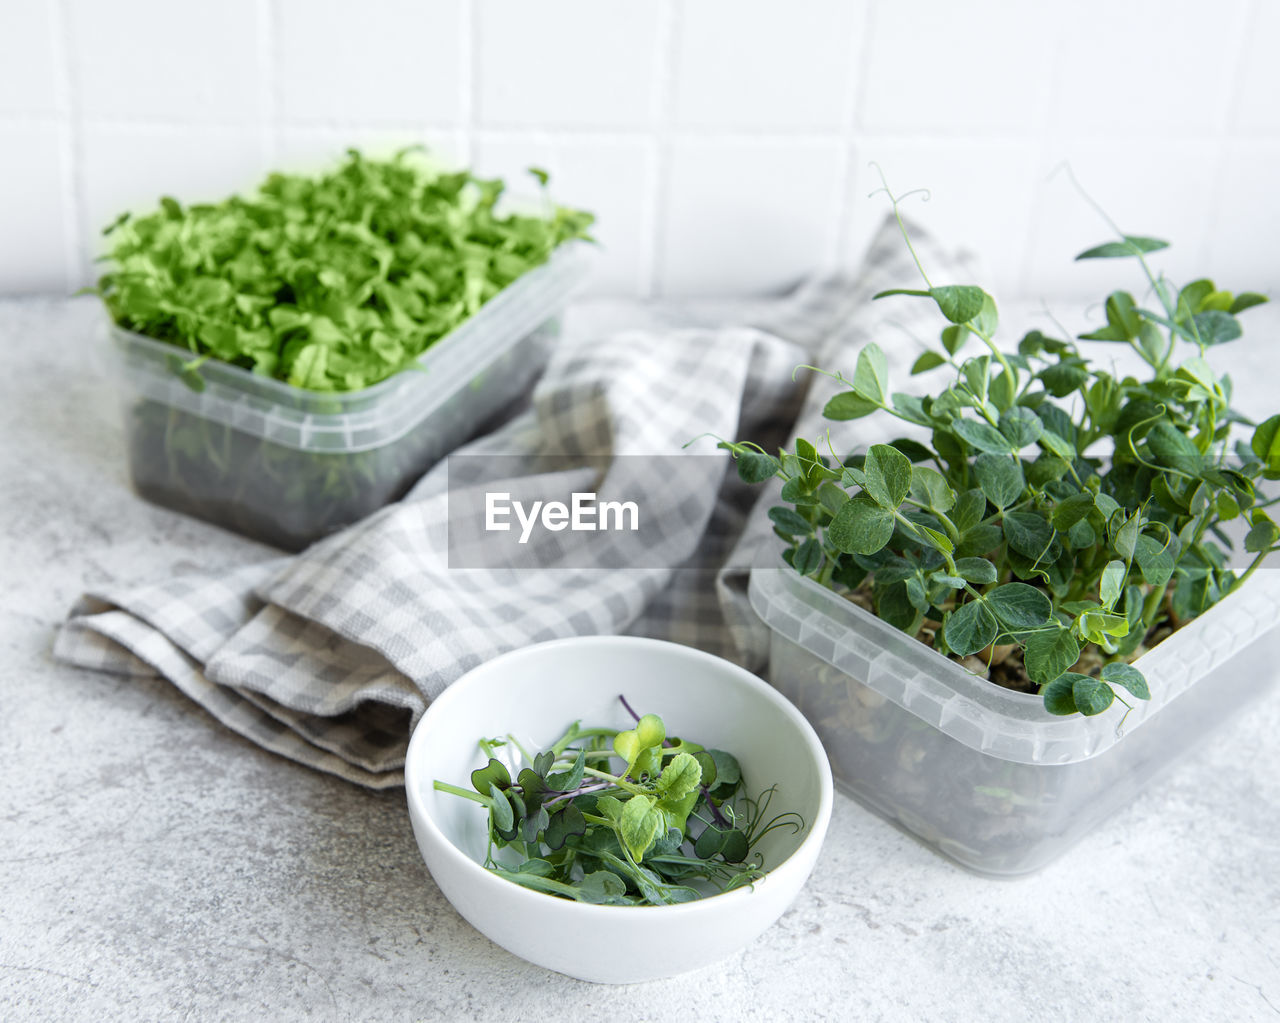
(982, 774)
(288, 466)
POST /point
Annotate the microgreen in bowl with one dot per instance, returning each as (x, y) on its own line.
(673, 824)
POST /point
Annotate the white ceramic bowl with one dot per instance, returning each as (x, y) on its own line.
(534, 693)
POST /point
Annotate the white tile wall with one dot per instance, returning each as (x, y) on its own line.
(748, 216)
(160, 60)
(568, 63)
(372, 62)
(29, 72)
(1146, 67)
(950, 68)
(757, 65)
(724, 144)
(34, 237)
(1246, 219)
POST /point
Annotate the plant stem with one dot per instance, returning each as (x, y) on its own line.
(475, 797)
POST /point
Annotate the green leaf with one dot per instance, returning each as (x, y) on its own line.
(493, 773)
(1266, 442)
(639, 825)
(1055, 444)
(930, 488)
(979, 541)
(753, 466)
(939, 540)
(917, 292)
(871, 373)
(566, 820)
(959, 303)
(650, 731)
(927, 361)
(1155, 559)
(727, 773)
(1069, 511)
(888, 473)
(1261, 537)
(911, 408)
(832, 496)
(1108, 333)
(1058, 696)
(954, 337)
(680, 777)
(1047, 654)
(1020, 606)
(567, 781)
(1132, 245)
(1064, 378)
(848, 405)
(861, 527)
(1021, 427)
(532, 786)
(1173, 448)
(970, 508)
(808, 557)
(1118, 673)
(503, 816)
(1246, 300)
(970, 627)
(627, 745)
(1125, 538)
(1112, 582)
(983, 436)
(789, 522)
(1122, 312)
(1092, 696)
(976, 570)
(1000, 478)
(602, 888)
(1216, 327)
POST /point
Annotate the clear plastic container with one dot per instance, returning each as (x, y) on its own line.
(983, 774)
(288, 466)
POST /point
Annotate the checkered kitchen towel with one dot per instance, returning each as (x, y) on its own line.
(330, 657)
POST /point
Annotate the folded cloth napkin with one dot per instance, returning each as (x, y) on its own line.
(330, 657)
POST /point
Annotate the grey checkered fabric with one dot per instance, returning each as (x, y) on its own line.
(330, 657)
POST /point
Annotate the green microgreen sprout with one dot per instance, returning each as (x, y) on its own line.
(1048, 521)
(673, 824)
(331, 282)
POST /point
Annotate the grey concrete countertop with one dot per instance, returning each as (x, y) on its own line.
(155, 866)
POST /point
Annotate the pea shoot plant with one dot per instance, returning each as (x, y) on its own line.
(672, 824)
(330, 282)
(1059, 519)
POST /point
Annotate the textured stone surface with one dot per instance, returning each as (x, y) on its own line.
(155, 866)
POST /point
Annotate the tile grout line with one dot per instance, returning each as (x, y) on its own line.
(659, 184)
(1226, 133)
(1040, 186)
(75, 230)
(468, 85)
(855, 102)
(268, 68)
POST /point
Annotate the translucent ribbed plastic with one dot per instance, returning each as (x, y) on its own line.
(288, 466)
(983, 774)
